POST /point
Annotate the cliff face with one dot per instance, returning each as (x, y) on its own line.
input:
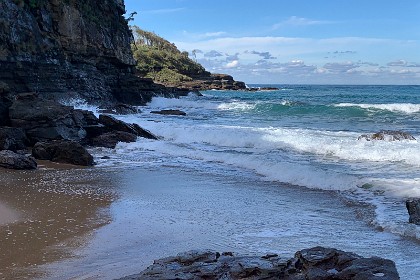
(70, 49)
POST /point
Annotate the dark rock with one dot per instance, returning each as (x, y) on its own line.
(84, 54)
(144, 132)
(413, 208)
(45, 120)
(387, 135)
(93, 131)
(84, 118)
(170, 112)
(110, 139)
(311, 264)
(114, 124)
(63, 151)
(5, 103)
(12, 160)
(336, 264)
(13, 139)
(120, 109)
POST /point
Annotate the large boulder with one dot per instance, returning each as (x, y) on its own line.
(63, 151)
(12, 160)
(413, 208)
(45, 120)
(12, 138)
(387, 135)
(311, 264)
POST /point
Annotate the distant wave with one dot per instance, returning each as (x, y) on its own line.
(408, 108)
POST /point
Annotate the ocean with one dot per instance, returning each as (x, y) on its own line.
(295, 159)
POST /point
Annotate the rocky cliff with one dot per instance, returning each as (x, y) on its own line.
(70, 49)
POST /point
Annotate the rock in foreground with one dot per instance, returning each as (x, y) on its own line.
(316, 263)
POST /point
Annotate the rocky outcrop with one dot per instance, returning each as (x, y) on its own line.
(413, 208)
(12, 160)
(77, 49)
(207, 81)
(387, 135)
(311, 264)
(45, 120)
(63, 151)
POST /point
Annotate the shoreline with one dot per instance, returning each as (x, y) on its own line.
(163, 212)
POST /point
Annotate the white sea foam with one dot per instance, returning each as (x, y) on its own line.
(408, 108)
(238, 106)
(81, 104)
(181, 103)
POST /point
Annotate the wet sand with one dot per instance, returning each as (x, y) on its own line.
(161, 212)
(106, 223)
(59, 207)
(7, 214)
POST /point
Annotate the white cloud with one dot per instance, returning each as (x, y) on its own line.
(214, 34)
(398, 63)
(298, 21)
(302, 60)
(232, 64)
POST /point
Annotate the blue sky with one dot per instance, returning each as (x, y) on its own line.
(293, 41)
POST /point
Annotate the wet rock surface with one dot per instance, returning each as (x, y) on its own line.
(387, 135)
(63, 151)
(12, 160)
(413, 208)
(44, 120)
(169, 112)
(317, 263)
(111, 139)
(12, 138)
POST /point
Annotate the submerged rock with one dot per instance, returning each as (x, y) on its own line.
(413, 208)
(317, 263)
(120, 109)
(63, 151)
(12, 160)
(170, 112)
(387, 135)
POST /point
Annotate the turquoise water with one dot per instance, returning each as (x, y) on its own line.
(302, 137)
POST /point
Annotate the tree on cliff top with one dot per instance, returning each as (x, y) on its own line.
(161, 60)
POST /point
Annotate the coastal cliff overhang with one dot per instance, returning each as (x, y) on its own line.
(65, 48)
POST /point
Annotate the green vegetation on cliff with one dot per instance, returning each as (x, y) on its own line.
(162, 61)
